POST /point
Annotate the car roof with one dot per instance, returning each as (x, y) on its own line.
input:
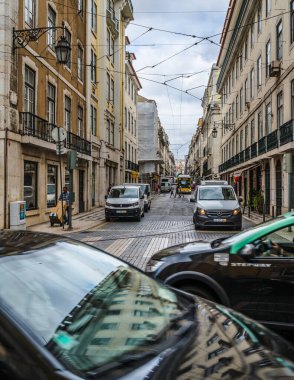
(123, 186)
(136, 184)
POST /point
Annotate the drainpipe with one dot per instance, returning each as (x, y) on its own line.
(5, 178)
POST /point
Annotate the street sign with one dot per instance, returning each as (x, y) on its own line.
(58, 134)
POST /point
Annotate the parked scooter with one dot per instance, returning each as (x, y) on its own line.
(56, 216)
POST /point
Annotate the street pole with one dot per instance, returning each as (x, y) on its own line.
(60, 165)
(70, 199)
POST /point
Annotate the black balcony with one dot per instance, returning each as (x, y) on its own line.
(129, 165)
(262, 145)
(286, 132)
(75, 142)
(247, 153)
(272, 141)
(236, 159)
(241, 157)
(253, 150)
(33, 125)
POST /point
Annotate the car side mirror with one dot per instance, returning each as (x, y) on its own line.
(248, 251)
(192, 200)
(240, 199)
(106, 196)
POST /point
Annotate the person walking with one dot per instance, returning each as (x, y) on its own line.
(64, 197)
(172, 190)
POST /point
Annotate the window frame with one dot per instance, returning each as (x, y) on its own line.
(279, 40)
(51, 22)
(33, 186)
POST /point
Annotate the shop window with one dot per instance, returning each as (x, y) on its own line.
(30, 184)
(51, 186)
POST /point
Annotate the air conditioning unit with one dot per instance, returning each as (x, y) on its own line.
(275, 69)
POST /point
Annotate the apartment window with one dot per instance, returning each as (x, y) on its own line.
(292, 21)
(268, 118)
(259, 125)
(233, 112)
(132, 123)
(68, 37)
(93, 120)
(237, 143)
(233, 76)
(279, 32)
(268, 5)
(112, 91)
(126, 118)
(80, 6)
(252, 34)
(129, 121)
(241, 141)
(30, 13)
(252, 83)
(241, 101)
(237, 71)
(246, 47)
(252, 132)
(80, 62)
(108, 86)
(280, 109)
(241, 60)
(135, 127)
(259, 17)
(267, 58)
(246, 136)
(51, 103)
(246, 90)
(80, 121)
(112, 49)
(108, 130)
(51, 185)
(259, 72)
(112, 133)
(93, 67)
(51, 24)
(237, 106)
(101, 341)
(67, 113)
(29, 90)
(30, 184)
(94, 16)
(108, 42)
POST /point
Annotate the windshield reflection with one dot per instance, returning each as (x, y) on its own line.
(126, 192)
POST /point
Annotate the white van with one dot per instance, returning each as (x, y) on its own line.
(124, 202)
(145, 188)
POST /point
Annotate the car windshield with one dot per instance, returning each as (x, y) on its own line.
(214, 193)
(144, 189)
(125, 192)
(86, 307)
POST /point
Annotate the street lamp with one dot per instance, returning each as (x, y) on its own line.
(22, 37)
(214, 132)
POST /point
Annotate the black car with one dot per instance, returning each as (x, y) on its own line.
(70, 311)
(252, 272)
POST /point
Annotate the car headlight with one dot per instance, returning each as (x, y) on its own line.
(135, 204)
(237, 211)
(153, 265)
(201, 211)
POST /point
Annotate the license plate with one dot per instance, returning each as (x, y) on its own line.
(219, 220)
(121, 211)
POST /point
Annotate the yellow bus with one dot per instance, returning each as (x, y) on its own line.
(184, 182)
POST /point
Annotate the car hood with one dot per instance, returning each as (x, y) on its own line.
(118, 201)
(225, 345)
(198, 246)
(218, 205)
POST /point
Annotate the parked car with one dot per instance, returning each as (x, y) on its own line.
(124, 202)
(252, 272)
(70, 311)
(216, 205)
(145, 188)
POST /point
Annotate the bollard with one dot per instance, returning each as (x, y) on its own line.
(273, 212)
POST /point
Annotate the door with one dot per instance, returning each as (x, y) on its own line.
(278, 188)
(264, 284)
(267, 188)
(81, 191)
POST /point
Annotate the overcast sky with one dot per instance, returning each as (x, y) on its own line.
(178, 111)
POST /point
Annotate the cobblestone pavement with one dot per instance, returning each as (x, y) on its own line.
(169, 222)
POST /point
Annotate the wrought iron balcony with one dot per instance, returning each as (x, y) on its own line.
(286, 132)
(253, 150)
(241, 156)
(272, 140)
(247, 154)
(33, 125)
(262, 145)
(129, 165)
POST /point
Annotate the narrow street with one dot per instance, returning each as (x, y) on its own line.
(169, 222)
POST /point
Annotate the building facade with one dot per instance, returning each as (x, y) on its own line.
(132, 86)
(256, 85)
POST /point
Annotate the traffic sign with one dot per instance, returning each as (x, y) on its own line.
(58, 134)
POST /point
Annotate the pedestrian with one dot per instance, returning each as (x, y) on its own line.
(173, 190)
(64, 197)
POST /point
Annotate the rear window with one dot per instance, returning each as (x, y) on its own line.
(214, 193)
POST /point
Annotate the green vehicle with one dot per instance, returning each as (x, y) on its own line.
(252, 272)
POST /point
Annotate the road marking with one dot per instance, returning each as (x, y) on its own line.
(119, 246)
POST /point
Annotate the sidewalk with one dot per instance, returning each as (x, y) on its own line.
(255, 217)
(80, 222)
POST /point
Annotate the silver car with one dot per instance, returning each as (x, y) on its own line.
(145, 188)
(124, 202)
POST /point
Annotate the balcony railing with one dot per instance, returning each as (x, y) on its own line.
(262, 145)
(241, 156)
(286, 132)
(129, 165)
(253, 150)
(247, 154)
(33, 125)
(272, 140)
